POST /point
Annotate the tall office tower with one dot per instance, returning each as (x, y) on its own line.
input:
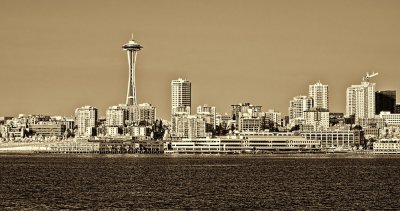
(116, 116)
(181, 94)
(86, 118)
(132, 47)
(319, 93)
(208, 114)
(298, 105)
(385, 101)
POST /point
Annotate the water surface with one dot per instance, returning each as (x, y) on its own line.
(40, 182)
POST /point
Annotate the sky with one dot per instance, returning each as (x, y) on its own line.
(58, 55)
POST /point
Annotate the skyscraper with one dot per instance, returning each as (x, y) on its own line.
(132, 47)
(319, 93)
(360, 100)
(86, 118)
(385, 101)
(181, 94)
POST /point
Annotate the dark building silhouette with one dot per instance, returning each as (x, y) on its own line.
(385, 101)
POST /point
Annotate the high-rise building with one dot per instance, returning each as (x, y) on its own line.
(360, 100)
(181, 94)
(132, 47)
(146, 113)
(190, 126)
(86, 118)
(298, 105)
(178, 113)
(208, 114)
(116, 116)
(385, 101)
(319, 93)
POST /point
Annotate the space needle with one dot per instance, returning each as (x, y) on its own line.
(132, 47)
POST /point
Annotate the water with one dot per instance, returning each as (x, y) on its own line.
(40, 182)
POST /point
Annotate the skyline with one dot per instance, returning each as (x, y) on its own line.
(298, 44)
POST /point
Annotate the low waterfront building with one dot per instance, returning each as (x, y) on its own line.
(130, 147)
(247, 142)
(72, 147)
(332, 139)
(387, 146)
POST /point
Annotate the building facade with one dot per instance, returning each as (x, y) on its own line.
(298, 105)
(318, 118)
(319, 93)
(116, 116)
(385, 101)
(208, 113)
(360, 100)
(86, 119)
(181, 93)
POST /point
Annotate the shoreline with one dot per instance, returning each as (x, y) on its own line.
(222, 155)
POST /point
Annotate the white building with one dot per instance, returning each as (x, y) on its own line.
(360, 100)
(387, 146)
(298, 105)
(318, 118)
(178, 113)
(274, 116)
(112, 131)
(319, 93)
(144, 112)
(86, 118)
(247, 116)
(390, 119)
(190, 126)
(208, 113)
(181, 93)
(116, 116)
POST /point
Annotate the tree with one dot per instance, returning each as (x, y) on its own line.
(295, 128)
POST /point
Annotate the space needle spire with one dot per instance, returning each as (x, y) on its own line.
(132, 47)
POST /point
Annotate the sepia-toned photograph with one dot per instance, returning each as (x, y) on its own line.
(199, 105)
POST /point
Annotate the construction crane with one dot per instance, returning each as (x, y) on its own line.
(368, 76)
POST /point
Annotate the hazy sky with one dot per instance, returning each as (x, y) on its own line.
(58, 55)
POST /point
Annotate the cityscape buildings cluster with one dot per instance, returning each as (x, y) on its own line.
(371, 117)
